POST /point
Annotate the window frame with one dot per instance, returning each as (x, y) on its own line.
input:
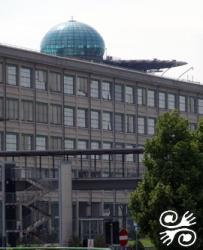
(15, 83)
(149, 127)
(151, 100)
(182, 103)
(169, 103)
(16, 141)
(66, 117)
(107, 128)
(119, 93)
(41, 118)
(14, 113)
(54, 82)
(92, 90)
(56, 114)
(67, 87)
(84, 119)
(25, 83)
(91, 120)
(46, 142)
(41, 84)
(162, 100)
(106, 92)
(144, 125)
(121, 127)
(127, 123)
(141, 97)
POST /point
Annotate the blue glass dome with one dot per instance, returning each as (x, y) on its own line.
(74, 39)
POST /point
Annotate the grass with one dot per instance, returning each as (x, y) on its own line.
(146, 242)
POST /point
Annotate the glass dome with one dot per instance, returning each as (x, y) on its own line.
(74, 39)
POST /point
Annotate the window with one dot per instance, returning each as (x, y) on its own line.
(55, 82)
(27, 142)
(129, 94)
(83, 145)
(69, 85)
(56, 116)
(11, 72)
(69, 116)
(150, 126)
(141, 96)
(130, 123)
(106, 90)
(41, 112)
(129, 157)
(118, 93)
(95, 145)
(82, 86)
(94, 88)
(119, 156)
(25, 77)
(41, 142)
(41, 79)
(27, 110)
(119, 123)
(141, 125)
(1, 108)
(182, 103)
(106, 145)
(151, 98)
(12, 109)
(191, 104)
(171, 101)
(162, 100)
(69, 144)
(107, 120)
(95, 119)
(140, 156)
(1, 72)
(56, 143)
(11, 142)
(82, 118)
(200, 106)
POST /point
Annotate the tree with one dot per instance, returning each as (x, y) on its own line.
(173, 178)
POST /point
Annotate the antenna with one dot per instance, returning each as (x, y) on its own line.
(191, 68)
(165, 71)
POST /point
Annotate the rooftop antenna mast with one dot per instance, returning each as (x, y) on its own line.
(191, 68)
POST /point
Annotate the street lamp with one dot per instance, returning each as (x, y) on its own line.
(3, 201)
(136, 234)
(3, 204)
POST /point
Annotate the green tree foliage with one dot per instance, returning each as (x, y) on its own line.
(173, 180)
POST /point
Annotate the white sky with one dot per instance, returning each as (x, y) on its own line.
(132, 29)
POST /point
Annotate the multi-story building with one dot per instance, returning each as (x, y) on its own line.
(55, 103)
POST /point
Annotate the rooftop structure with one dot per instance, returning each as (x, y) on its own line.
(74, 39)
(79, 40)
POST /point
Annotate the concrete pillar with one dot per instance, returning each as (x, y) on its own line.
(65, 202)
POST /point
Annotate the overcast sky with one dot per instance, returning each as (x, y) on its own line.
(132, 29)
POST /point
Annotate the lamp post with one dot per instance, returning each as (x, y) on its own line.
(3, 203)
(136, 234)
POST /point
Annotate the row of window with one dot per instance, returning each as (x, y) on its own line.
(100, 89)
(79, 117)
(27, 143)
